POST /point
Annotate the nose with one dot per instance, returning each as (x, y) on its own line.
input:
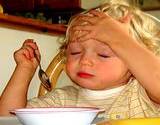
(86, 60)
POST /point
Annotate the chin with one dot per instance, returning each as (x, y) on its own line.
(87, 84)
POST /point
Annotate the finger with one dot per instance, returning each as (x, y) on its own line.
(84, 37)
(76, 19)
(78, 35)
(82, 28)
(30, 42)
(97, 13)
(89, 19)
(82, 20)
(30, 50)
(26, 54)
(38, 55)
(22, 52)
(27, 41)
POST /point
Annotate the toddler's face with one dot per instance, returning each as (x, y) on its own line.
(93, 65)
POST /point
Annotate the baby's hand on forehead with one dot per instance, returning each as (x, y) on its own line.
(74, 34)
(102, 27)
(78, 21)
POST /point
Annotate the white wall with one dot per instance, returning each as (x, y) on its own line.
(87, 4)
(11, 40)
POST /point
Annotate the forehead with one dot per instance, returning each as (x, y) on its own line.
(89, 44)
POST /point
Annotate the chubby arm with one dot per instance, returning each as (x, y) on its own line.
(15, 94)
(142, 63)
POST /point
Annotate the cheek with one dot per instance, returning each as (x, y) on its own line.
(70, 66)
(119, 69)
(112, 68)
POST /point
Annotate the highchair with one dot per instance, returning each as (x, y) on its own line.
(53, 71)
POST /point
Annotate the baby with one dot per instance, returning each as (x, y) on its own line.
(111, 54)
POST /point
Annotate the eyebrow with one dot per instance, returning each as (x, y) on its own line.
(73, 43)
(107, 48)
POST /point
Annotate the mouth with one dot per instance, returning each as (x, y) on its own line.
(84, 75)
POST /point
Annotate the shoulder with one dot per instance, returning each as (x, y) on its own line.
(57, 97)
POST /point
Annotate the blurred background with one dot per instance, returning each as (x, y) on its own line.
(59, 11)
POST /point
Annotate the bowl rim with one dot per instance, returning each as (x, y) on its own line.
(56, 109)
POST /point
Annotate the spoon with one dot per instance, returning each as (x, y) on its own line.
(43, 76)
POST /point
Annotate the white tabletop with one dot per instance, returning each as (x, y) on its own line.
(9, 121)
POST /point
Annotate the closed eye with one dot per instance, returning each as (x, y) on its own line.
(75, 53)
(104, 56)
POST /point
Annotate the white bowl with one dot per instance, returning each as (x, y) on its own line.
(57, 115)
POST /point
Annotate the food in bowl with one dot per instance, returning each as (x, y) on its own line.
(57, 115)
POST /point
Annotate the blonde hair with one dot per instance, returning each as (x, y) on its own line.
(142, 26)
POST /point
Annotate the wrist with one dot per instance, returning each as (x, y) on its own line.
(27, 66)
(26, 69)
